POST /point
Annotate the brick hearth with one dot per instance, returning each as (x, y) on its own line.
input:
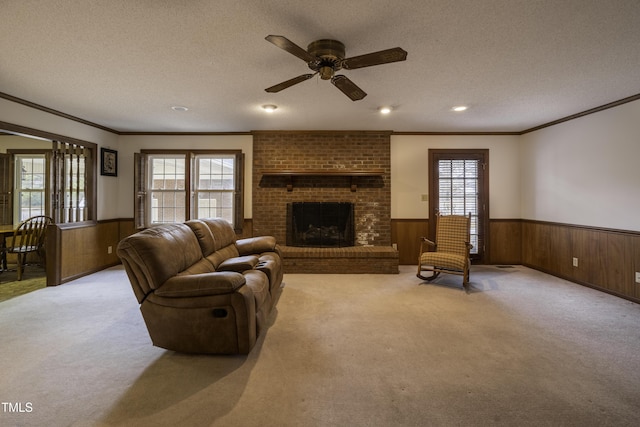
(354, 259)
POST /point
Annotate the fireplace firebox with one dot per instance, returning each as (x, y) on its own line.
(320, 224)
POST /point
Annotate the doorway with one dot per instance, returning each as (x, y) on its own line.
(459, 185)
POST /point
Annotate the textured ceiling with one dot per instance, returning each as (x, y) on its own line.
(122, 64)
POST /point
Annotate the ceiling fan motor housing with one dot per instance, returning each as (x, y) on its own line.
(330, 54)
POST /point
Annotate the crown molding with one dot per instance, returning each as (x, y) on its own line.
(535, 128)
(584, 113)
(456, 133)
(183, 133)
(54, 112)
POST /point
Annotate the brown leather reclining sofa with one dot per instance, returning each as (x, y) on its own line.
(200, 290)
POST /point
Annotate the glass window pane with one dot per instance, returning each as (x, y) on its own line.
(30, 185)
(215, 204)
(215, 185)
(168, 173)
(168, 183)
(168, 206)
(444, 169)
(215, 172)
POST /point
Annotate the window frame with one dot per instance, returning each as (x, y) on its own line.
(17, 189)
(482, 156)
(151, 190)
(198, 189)
(143, 189)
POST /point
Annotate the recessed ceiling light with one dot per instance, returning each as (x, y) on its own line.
(179, 108)
(269, 108)
(384, 110)
(460, 108)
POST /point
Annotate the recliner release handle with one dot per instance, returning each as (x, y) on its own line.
(220, 313)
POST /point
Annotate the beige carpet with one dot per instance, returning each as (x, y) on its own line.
(522, 348)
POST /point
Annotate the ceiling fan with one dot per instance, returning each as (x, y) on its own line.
(326, 57)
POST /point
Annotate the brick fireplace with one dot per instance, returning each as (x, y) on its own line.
(326, 166)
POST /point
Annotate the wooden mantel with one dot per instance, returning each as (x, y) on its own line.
(353, 173)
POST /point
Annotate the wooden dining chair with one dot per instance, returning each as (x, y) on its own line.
(28, 238)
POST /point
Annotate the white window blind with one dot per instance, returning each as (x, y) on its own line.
(458, 192)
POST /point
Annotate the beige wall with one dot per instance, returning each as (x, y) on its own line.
(410, 172)
(585, 171)
(20, 142)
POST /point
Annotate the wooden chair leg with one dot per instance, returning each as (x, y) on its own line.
(21, 261)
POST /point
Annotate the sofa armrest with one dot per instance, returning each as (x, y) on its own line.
(239, 263)
(199, 285)
(256, 245)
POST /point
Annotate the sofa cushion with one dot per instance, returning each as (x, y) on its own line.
(223, 254)
(160, 252)
(204, 236)
(200, 267)
(197, 285)
(256, 245)
(223, 234)
(239, 264)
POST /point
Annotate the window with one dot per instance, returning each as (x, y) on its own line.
(178, 186)
(167, 191)
(459, 187)
(215, 186)
(31, 184)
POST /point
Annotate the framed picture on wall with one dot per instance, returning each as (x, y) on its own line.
(108, 162)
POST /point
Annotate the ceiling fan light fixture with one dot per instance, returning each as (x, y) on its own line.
(326, 72)
(384, 110)
(459, 108)
(269, 108)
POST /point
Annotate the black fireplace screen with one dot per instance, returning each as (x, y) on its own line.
(320, 224)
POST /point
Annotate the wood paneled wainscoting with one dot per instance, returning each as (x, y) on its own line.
(606, 259)
(504, 245)
(505, 241)
(76, 250)
(405, 234)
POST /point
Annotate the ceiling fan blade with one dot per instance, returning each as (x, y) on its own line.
(288, 83)
(291, 47)
(376, 58)
(348, 87)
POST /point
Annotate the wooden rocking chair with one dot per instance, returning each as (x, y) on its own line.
(451, 248)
